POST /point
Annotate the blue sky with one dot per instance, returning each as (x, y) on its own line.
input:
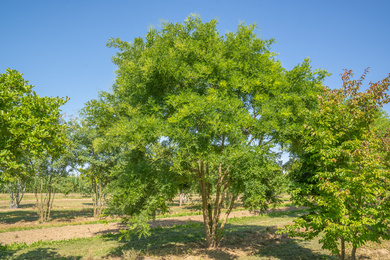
(60, 46)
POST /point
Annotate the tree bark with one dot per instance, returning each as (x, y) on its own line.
(211, 208)
(44, 203)
(16, 193)
(204, 196)
(98, 197)
(353, 256)
(342, 251)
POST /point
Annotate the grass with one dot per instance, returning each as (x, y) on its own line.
(6, 217)
(250, 237)
(77, 210)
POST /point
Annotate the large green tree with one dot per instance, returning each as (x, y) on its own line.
(191, 106)
(340, 171)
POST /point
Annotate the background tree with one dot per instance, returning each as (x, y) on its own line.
(339, 172)
(65, 185)
(96, 163)
(47, 169)
(16, 189)
(28, 126)
(190, 104)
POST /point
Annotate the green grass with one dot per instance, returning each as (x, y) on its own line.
(250, 234)
(74, 216)
(251, 238)
(101, 221)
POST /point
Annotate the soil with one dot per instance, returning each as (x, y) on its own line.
(90, 230)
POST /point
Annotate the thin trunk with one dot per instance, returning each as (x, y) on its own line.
(217, 206)
(204, 196)
(219, 235)
(41, 203)
(12, 197)
(21, 190)
(100, 199)
(353, 256)
(48, 200)
(212, 208)
(342, 251)
(36, 192)
(94, 188)
(51, 204)
(209, 202)
(44, 203)
(10, 189)
(16, 193)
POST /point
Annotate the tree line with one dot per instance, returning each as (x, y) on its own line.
(194, 110)
(66, 185)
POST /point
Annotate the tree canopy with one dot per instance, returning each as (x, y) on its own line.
(29, 124)
(192, 106)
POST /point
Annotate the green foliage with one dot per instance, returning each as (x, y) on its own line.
(339, 172)
(193, 108)
(65, 186)
(382, 123)
(94, 164)
(29, 124)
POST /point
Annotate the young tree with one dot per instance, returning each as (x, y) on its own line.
(340, 172)
(28, 126)
(190, 104)
(66, 185)
(95, 164)
(47, 168)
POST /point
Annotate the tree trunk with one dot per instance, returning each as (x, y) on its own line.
(353, 256)
(16, 193)
(98, 197)
(204, 196)
(342, 250)
(211, 208)
(180, 199)
(44, 202)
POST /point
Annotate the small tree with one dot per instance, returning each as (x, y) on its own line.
(66, 185)
(29, 127)
(48, 169)
(340, 173)
(94, 164)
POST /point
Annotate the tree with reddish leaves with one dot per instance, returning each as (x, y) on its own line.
(340, 173)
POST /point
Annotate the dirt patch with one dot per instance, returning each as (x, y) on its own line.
(90, 230)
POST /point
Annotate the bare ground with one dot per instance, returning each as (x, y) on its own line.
(90, 230)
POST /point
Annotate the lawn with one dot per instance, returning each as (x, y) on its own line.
(244, 238)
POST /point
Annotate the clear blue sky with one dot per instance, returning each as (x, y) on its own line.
(60, 46)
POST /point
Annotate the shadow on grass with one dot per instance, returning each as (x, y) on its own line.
(23, 206)
(180, 240)
(10, 217)
(39, 253)
(14, 216)
(264, 243)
